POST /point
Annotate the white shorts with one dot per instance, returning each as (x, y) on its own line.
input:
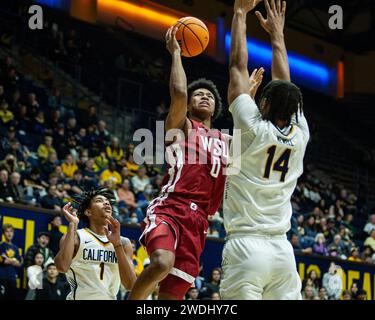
(257, 267)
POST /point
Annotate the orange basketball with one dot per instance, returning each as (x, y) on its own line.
(192, 35)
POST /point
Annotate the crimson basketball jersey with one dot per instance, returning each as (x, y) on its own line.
(195, 172)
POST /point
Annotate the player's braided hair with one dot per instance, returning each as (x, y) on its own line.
(209, 85)
(284, 99)
(83, 201)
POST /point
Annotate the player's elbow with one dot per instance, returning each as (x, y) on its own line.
(129, 282)
(178, 92)
(61, 266)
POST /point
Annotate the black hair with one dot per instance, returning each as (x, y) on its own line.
(284, 99)
(83, 201)
(210, 86)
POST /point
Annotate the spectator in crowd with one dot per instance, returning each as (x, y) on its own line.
(51, 199)
(308, 293)
(192, 294)
(46, 148)
(215, 296)
(338, 248)
(313, 281)
(131, 165)
(90, 118)
(332, 282)
(367, 254)
(69, 167)
(16, 189)
(42, 246)
(355, 255)
(32, 105)
(354, 291)
(71, 127)
(320, 247)
(52, 288)
(6, 116)
(50, 164)
(140, 180)
(5, 190)
(101, 162)
(126, 199)
(5, 141)
(138, 266)
(35, 276)
(362, 294)
(35, 187)
(200, 280)
(151, 171)
(297, 246)
(55, 234)
(346, 295)
(9, 163)
(23, 122)
(38, 123)
(10, 260)
(114, 152)
(83, 141)
(89, 173)
(370, 241)
(125, 173)
(213, 285)
(111, 174)
(370, 225)
(323, 294)
(78, 184)
(102, 136)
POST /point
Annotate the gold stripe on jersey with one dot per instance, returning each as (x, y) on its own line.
(104, 244)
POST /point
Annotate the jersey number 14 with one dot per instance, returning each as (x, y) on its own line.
(281, 165)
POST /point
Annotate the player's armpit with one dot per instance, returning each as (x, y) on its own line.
(245, 112)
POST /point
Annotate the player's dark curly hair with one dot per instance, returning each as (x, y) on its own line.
(284, 99)
(209, 85)
(83, 201)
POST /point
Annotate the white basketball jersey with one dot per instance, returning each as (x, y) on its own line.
(269, 161)
(94, 272)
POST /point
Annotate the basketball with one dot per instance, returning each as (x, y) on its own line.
(192, 35)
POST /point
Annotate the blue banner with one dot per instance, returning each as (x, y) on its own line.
(28, 222)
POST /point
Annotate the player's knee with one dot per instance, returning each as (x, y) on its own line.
(162, 262)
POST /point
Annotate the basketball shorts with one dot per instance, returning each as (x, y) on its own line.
(181, 229)
(259, 267)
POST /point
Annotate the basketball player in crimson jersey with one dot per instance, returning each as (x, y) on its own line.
(175, 228)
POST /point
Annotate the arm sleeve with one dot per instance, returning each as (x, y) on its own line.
(245, 112)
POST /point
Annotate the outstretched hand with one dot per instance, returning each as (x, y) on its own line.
(113, 231)
(245, 5)
(275, 16)
(171, 41)
(70, 214)
(255, 81)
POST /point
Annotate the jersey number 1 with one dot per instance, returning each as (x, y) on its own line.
(280, 165)
(101, 265)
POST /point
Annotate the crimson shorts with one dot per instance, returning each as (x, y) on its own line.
(181, 229)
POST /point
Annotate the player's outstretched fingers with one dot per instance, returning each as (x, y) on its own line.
(273, 6)
(278, 7)
(253, 73)
(283, 9)
(261, 19)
